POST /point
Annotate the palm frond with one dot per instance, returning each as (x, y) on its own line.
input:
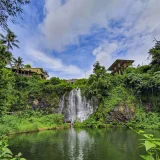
(3, 41)
(10, 46)
(2, 36)
(16, 40)
(15, 45)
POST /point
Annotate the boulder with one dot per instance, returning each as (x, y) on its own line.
(121, 113)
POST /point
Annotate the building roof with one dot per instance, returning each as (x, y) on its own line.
(121, 61)
(33, 70)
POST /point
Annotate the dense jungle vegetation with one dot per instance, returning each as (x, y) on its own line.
(138, 88)
(30, 104)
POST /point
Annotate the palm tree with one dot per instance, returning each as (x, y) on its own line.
(10, 39)
(18, 63)
(5, 55)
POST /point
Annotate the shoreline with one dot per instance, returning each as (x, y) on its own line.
(38, 130)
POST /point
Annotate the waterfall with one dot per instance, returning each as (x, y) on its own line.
(76, 108)
(61, 104)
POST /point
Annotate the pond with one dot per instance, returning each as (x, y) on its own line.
(90, 144)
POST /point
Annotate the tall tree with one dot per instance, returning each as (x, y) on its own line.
(155, 53)
(27, 66)
(98, 83)
(9, 40)
(9, 10)
(7, 82)
(5, 55)
(18, 63)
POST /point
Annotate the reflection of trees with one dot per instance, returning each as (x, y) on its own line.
(90, 144)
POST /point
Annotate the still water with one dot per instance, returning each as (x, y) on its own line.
(90, 144)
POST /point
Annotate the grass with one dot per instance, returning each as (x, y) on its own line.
(24, 122)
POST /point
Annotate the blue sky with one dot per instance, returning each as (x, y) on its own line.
(66, 37)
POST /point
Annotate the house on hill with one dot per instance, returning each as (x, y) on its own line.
(29, 72)
(120, 65)
(72, 81)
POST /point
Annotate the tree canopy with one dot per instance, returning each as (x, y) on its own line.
(155, 53)
(9, 10)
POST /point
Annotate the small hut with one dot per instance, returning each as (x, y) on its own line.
(120, 65)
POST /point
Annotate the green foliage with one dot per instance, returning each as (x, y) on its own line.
(151, 145)
(27, 66)
(81, 83)
(90, 123)
(155, 53)
(115, 97)
(29, 122)
(55, 80)
(145, 120)
(144, 85)
(6, 89)
(137, 88)
(98, 83)
(10, 10)
(9, 40)
(18, 63)
(5, 55)
(5, 153)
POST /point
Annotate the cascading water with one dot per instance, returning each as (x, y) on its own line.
(61, 104)
(77, 107)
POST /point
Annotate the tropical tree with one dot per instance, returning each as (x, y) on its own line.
(98, 83)
(9, 40)
(18, 63)
(5, 55)
(10, 9)
(27, 66)
(155, 53)
(7, 82)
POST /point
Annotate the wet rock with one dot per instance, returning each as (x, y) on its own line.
(121, 113)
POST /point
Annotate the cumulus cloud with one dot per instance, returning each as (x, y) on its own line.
(53, 64)
(64, 23)
(105, 53)
(131, 49)
(140, 26)
(131, 27)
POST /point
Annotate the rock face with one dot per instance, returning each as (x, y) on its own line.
(73, 106)
(40, 104)
(121, 113)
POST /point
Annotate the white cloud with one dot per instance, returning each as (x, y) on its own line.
(64, 23)
(141, 25)
(105, 53)
(53, 64)
(134, 49)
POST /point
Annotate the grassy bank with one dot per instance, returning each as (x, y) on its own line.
(30, 122)
(117, 96)
(142, 120)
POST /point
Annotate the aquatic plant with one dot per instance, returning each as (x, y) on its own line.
(5, 152)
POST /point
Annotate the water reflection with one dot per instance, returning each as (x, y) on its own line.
(79, 144)
(90, 144)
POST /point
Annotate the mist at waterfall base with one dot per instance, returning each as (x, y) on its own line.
(76, 107)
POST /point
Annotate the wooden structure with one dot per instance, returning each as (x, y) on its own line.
(120, 65)
(29, 72)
